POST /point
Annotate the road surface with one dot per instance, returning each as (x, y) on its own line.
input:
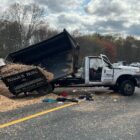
(109, 117)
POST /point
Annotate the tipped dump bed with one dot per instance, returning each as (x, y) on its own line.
(59, 55)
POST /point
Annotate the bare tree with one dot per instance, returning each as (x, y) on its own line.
(28, 17)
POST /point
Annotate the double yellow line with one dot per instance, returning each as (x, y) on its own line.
(35, 115)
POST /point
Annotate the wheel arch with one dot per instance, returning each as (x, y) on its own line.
(126, 77)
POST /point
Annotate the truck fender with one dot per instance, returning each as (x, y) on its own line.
(126, 77)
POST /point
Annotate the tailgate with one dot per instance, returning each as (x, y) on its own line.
(25, 81)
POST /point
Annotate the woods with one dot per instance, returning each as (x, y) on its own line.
(23, 25)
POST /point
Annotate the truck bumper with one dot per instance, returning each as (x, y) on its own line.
(137, 77)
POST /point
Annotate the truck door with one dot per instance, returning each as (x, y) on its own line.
(107, 71)
(93, 70)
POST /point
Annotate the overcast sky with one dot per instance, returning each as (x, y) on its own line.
(89, 16)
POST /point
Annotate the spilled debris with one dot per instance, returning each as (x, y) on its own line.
(65, 97)
(21, 78)
(9, 102)
(11, 69)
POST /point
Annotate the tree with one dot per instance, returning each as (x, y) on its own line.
(28, 17)
(9, 37)
(43, 33)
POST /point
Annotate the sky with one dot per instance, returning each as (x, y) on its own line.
(90, 16)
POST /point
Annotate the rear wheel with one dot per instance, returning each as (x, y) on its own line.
(127, 88)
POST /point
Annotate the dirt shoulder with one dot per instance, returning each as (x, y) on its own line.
(9, 102)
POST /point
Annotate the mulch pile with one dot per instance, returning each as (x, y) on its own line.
(11, 69)
(7, 102)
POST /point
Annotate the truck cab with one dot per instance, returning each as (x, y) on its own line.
(98, 71)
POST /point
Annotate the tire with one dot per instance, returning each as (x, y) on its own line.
(127, 88)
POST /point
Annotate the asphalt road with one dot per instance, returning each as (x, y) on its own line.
(109, 117)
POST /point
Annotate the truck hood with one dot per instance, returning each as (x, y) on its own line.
(131, 68)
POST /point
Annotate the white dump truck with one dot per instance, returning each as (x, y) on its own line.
(98, 71)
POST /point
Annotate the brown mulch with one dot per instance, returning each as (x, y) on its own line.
(9, 102)
(12, 68)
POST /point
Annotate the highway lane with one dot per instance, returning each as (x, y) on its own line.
(109, 117)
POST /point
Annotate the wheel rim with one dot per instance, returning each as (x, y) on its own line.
(128, 88)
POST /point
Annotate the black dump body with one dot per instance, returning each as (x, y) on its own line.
(58, 55)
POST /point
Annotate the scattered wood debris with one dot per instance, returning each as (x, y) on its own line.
(9, 102)
(12, 68)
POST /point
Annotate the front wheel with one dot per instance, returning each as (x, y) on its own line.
(127, 88)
